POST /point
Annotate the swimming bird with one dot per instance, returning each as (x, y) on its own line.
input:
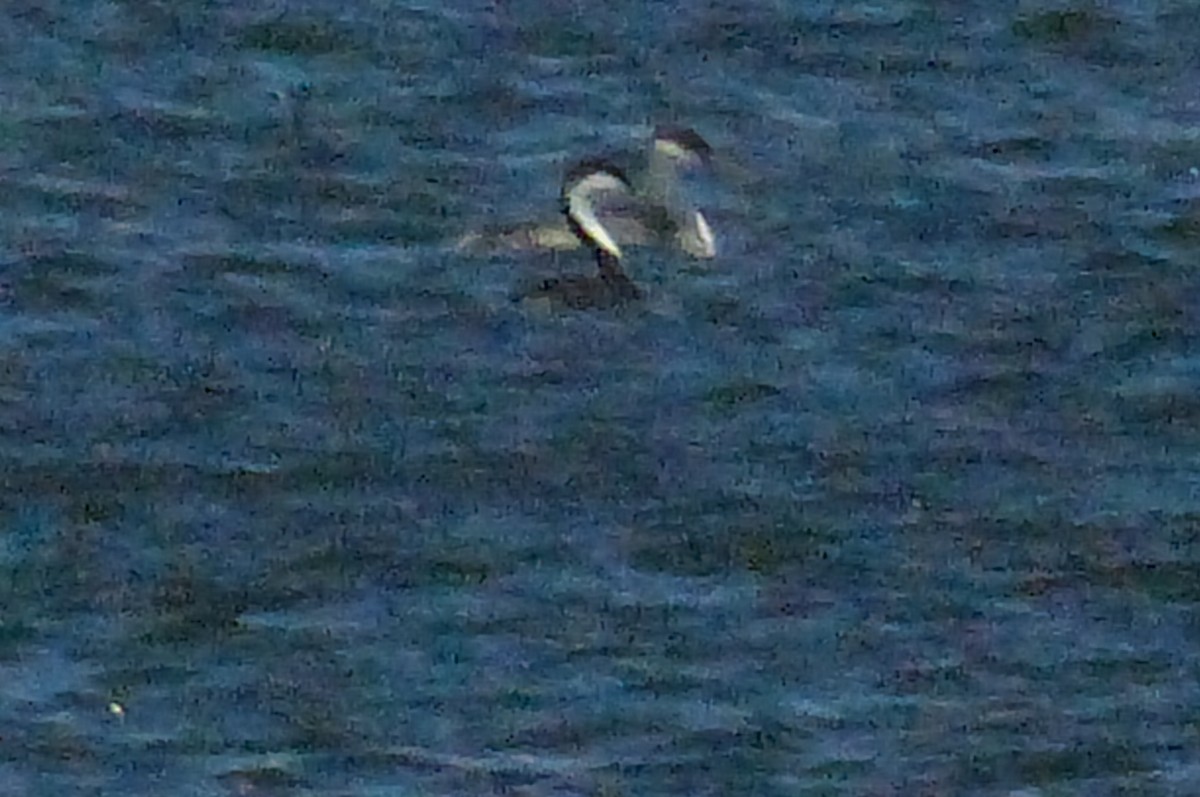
(604, 208)
(598, 202)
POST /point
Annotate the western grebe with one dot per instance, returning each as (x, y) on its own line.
(606, 209)
(598, 203)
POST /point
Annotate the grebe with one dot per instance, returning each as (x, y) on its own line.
(653, 208)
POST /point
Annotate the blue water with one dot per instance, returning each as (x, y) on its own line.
(900, 495)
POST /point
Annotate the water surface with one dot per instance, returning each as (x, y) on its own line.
(899, 496)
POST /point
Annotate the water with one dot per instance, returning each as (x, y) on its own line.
(899, 496)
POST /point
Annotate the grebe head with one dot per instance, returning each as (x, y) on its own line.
(586, 189)
(682, 146)
(678, 151)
